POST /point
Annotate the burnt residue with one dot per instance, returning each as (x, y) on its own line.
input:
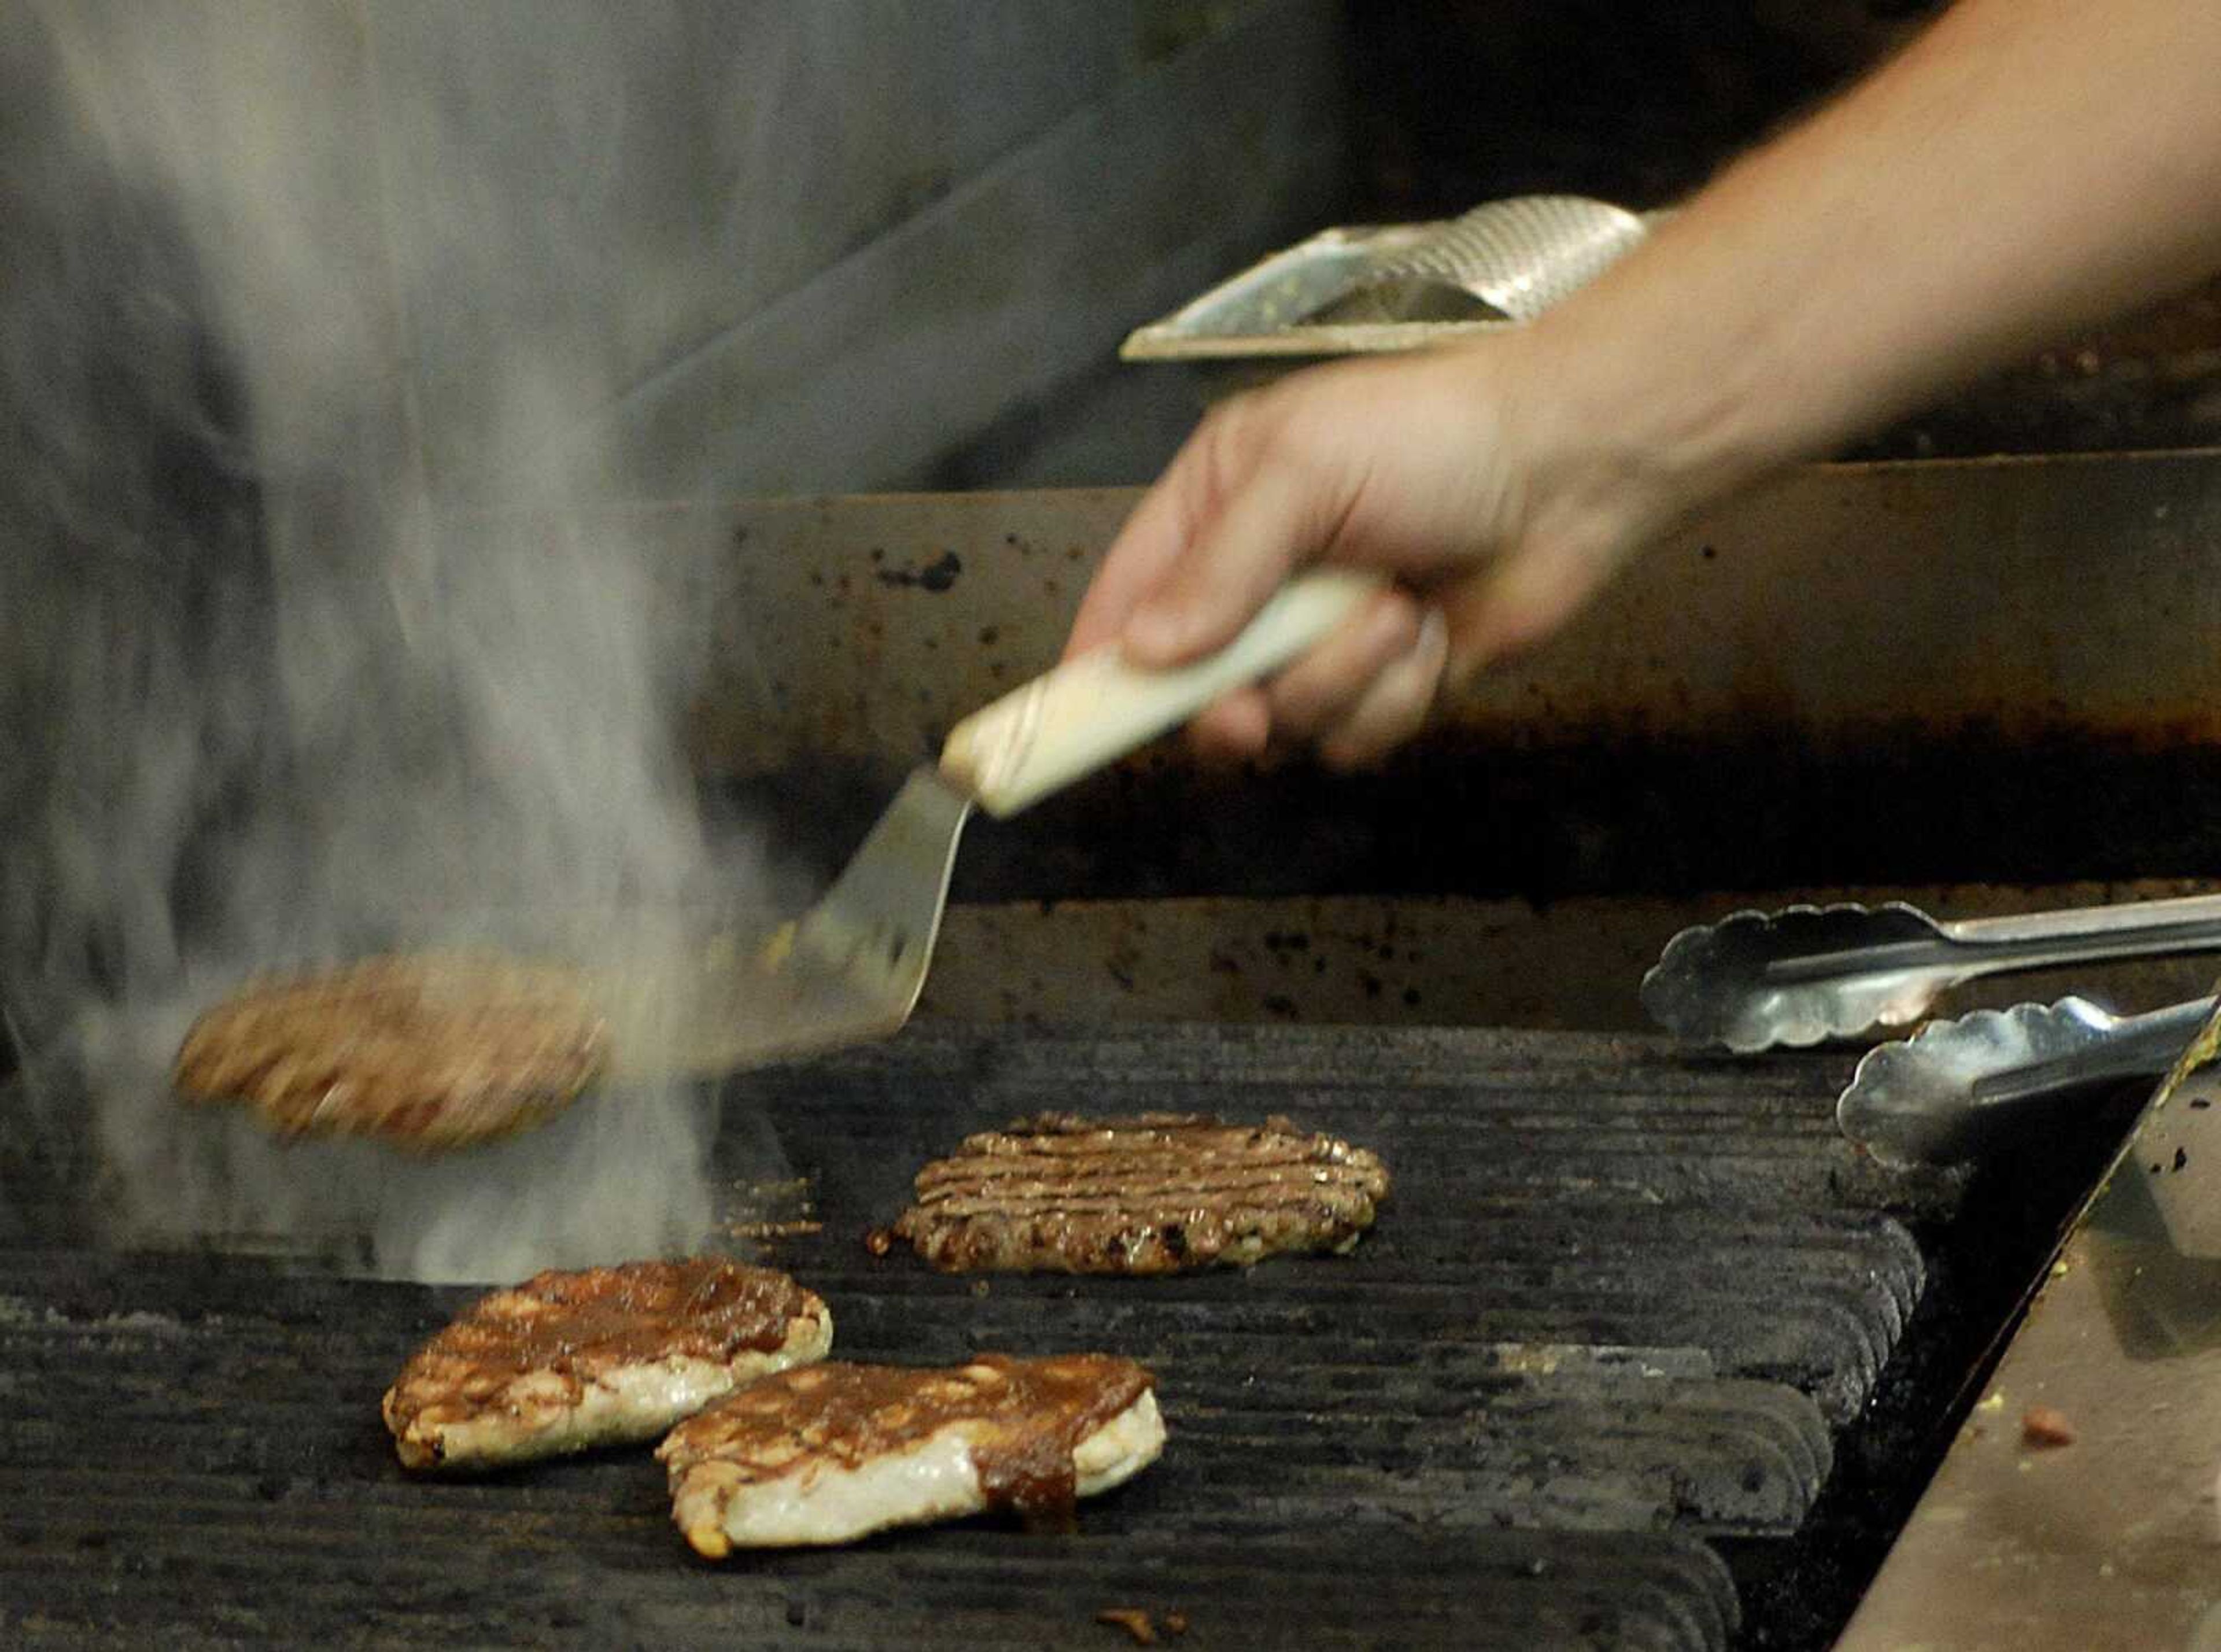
(939, 575)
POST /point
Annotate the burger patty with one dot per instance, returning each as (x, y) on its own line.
(832, 1453)
(1157, 1193)
(427, 1052)
(567, 1361)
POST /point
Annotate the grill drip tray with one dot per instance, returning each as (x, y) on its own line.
(1582, 1387)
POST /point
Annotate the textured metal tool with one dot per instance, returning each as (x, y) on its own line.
(1956, 1087)
(1512, 259)
(1758, 980)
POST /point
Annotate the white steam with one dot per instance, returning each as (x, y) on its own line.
(307, 645)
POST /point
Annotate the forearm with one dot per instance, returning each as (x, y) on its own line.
(2024, 167)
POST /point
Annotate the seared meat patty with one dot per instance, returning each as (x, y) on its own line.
(831, 1453)
(1157, 1193)
(565, 1361)
(427, 1052)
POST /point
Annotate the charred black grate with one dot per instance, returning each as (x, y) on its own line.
(1615, 1311)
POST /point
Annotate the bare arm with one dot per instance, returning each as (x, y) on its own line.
(2023, 167)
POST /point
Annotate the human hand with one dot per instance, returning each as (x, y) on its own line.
(1442, 469)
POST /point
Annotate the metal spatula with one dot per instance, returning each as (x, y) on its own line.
(404, 1047)
(851, 968)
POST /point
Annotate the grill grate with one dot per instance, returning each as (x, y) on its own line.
(1612, 1308)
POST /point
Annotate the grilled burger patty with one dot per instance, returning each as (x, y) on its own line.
(429, 1052)
(565, 1361)
(1157, 1193)
(827, 1454)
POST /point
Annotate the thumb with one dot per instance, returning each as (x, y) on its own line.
(1240, 556)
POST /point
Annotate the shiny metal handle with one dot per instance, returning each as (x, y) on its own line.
(1971, 947)
(2133, 1047)
(2183, 921)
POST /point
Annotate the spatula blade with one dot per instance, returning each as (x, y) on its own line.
(848, 971)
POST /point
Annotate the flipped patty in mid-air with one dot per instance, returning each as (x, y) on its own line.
(429, 1052)
(567, 1361)
(827, 1454)
(1156, 1193)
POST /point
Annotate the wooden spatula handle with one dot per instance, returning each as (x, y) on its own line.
(1092, 711)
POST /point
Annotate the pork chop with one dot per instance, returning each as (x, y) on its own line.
(1157, 1193)
(429, 1052)
(567, 1361)
(829, 1453)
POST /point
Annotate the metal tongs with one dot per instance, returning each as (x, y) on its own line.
(1956, 1088)
(1756, 980)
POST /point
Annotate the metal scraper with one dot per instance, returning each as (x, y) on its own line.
(850, 969)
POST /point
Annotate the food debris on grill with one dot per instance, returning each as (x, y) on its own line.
(1153, 1193)
(831, 1453)
(2046, 1425)
(429, 1051)
(567, 1361)
(768, 1211)
(1140, 1624)
(766, 1232)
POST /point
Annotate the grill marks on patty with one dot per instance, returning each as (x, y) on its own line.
(429, 1051)
(1154, 1194)
(828, 1454)
(565, 1361)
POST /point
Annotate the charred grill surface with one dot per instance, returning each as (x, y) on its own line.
(1614, 1323)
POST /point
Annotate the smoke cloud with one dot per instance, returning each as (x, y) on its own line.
(307, 645)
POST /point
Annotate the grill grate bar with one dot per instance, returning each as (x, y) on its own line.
(1614, 1306)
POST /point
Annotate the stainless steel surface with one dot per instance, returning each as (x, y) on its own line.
(1516, 258)
(1756, 980)
(1957, 1086)
(1878, 606)
(2112, 1541)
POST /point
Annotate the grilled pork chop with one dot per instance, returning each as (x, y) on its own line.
(429, 1052)
(828, 1454)
(1158, 1193)
(565, 1361)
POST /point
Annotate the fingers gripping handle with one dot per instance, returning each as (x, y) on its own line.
(1092, 710)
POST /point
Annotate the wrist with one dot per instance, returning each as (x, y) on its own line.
(1624, 437)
